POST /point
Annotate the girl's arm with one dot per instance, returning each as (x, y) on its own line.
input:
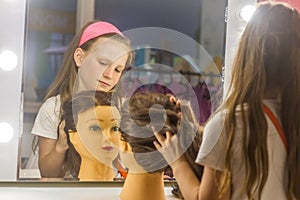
(209, 185)
(186, 179)
(189, 184)
(52, 154)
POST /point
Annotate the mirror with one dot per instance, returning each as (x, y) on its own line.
(50, 27)
(178, 29)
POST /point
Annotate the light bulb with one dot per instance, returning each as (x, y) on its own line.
(247, 12)
(8, 60)
(6, 132)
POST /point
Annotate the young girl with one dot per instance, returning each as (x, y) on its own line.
(251, 146)
(142, 110)
(92, 125)
(94, 60)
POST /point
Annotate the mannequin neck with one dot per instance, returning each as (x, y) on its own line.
(91, 170)
(146, 186)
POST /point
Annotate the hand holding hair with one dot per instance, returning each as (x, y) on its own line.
(62, 143)
(175, 101)
(169, 146)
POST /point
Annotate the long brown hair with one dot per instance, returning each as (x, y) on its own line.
(66, 77)
(79, 103)
(136, 113)
(267, 63)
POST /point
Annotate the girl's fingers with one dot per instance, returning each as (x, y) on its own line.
(175, 100)
(61, 130)
(159, 137)
(62, 125)
(157, 145)
(62, 136)
(179, 114)
(172, 99)
(168, 135)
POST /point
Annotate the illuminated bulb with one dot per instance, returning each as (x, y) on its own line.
(6, 132)
(8, 60)
(247, 12)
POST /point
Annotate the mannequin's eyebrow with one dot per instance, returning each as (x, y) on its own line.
(113, 119)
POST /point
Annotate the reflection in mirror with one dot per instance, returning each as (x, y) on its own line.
(92, 125)
(51, 26)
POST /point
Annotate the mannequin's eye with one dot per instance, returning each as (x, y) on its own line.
(95, 128)
(115, 128)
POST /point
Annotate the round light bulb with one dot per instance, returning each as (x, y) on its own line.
(6, 132)
(8, 60)
(247, 12)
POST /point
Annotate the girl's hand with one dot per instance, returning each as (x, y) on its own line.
(62, 142)
(175, 101)
(168, 146)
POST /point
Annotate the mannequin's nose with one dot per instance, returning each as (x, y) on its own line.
(107, 136)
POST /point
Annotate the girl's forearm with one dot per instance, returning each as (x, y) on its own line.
(50, 165)
(186, 179)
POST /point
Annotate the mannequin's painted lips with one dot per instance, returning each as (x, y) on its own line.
(107, 148)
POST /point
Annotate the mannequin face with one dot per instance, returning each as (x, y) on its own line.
(101, 67)
(98, 130)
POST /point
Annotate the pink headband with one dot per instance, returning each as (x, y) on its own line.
(97, 29)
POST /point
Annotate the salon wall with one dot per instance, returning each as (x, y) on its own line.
(202, 20)
(213, 27)
(178, 15)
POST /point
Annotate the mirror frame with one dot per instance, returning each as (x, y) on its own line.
(11, 38)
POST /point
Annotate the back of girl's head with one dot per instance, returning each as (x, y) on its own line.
(65, 79)
(142, 109)
(267, 65)
(268, 54)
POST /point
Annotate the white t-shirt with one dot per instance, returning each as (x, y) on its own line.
(212, 154)
(47, 119)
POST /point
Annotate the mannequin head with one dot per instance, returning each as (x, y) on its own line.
(142, 109)
(92, 126)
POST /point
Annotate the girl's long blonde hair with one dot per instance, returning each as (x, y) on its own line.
(267, 62)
